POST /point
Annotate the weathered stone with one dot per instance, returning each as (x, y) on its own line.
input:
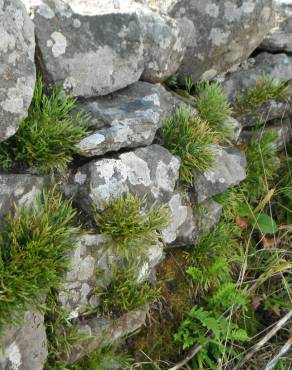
(207, 215)
(25, 347)
(264, 113)
(228, 170)
(281, 129)
(219, 34)
(127, 119)
(95, 48)
(19, 190)
(104, 331)
(92, 266)
(277, 66)
(234, 128)
(279, 38)
(17, 69)
(151, 170)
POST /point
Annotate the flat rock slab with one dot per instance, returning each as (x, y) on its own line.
(93, 48)
(128, 118)
(19, 190)
(228, 170)
(25, 346)
(17, 69)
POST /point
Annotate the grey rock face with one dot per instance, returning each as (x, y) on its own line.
(103, 331)
(126, 119)
(95, 48)
(91, 255)
(279, 38)
(228, 170)
(278, 66)
(234, 127)
(17, 69)
(18, 189)
(282, 129)
(151, 170)
(25, 346)
(219, 34)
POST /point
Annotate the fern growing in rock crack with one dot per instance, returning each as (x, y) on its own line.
(46, 139)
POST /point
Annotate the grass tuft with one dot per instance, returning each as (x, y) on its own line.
(46, 139)
(214, 107)
(265, 89)
(130, 223)
(124, 293)
(189, 137)
(33, 246)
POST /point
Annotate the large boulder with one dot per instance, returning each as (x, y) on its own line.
(18, 190)
(128, 118)
(219, 34)
(95, 48)
(24, 347)
(17, 69)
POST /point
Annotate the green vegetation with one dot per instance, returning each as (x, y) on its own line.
(46, 139)
(214, 107)
(33, 246)
(188, 136)
(264, 89)
(124, 292)
(130, 223)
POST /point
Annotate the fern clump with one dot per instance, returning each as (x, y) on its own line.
(125, 292)
(264, 89)
(45, 139)
(189, 137)
(213, 332)
(34, 243)
(130, 223)
(214, 107)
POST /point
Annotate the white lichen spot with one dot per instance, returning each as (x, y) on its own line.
(45, 11)
(49, 43)
(76, 23)
(60, 45)
(212, 10)
(80, 178)
(138, 170)
(14, 356)
(153, 98)
(218, 36)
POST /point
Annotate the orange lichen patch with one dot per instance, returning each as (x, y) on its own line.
(156, 338)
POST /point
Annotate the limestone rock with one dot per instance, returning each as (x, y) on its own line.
(25, 346)
(278, 66)
(91, 255)
(228, 170)
(95, 47)
(219, 34)
(128, 118)
(104, 331)
(151, 170)
(17, 69)
(279, 38)
(19, 190)
(282, 129)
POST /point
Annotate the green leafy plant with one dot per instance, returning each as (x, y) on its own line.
(45, 139)
(212, 331)
(125, 292)
(33, 246)
(214, 107)
(188, 136)
(130, 223)
(264, 89)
